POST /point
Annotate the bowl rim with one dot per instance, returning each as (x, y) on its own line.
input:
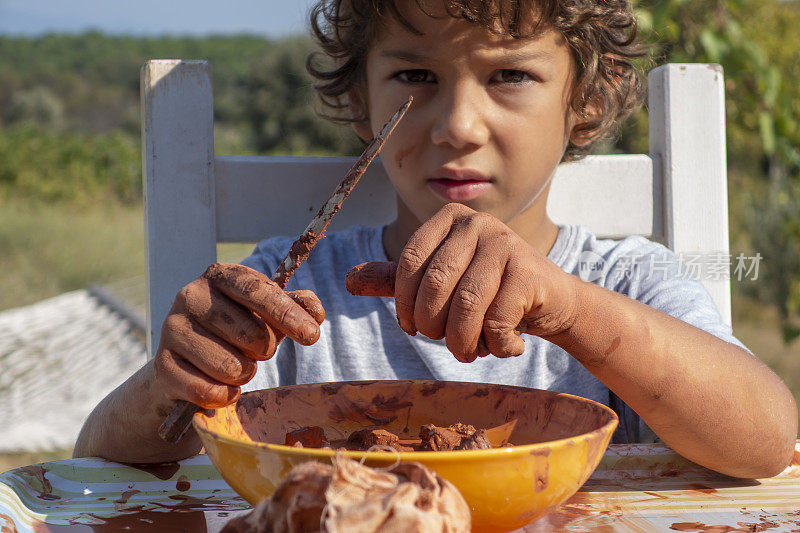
(450, 455)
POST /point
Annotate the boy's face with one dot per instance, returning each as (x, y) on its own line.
(490, 119)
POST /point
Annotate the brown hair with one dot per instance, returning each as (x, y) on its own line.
(600, 33)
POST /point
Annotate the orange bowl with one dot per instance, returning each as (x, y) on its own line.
(558, 440)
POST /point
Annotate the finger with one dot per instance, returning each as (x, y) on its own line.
(502, 319)
(414, 261)
(226, 318)
(371, 279)
(444, 272)
(471, 299)
(482, 350)
(185, 382)
(210, 354)
(263, 296)
(309, 301)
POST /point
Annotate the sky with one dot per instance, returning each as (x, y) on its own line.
(273, 18)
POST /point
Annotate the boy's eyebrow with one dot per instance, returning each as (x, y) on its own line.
(509, 57)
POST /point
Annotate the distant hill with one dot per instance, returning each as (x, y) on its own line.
(90, 82)
(70, 109)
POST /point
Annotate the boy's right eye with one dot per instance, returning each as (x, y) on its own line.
(415, 76)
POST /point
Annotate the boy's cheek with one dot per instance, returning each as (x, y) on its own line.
(402, 154)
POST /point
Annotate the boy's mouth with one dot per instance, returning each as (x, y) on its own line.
(459, 185)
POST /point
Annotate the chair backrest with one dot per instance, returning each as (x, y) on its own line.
(676, 194)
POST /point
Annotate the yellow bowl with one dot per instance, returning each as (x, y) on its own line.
(558, 441)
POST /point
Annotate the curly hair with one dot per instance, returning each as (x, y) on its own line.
(601, 35)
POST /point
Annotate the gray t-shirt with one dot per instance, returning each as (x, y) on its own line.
(360, 338)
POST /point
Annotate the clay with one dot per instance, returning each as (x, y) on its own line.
(307, 437)
(371, 279)
(367, 438)
(163, 471)
(296, 505)
(459, 436)
(476, 441)
(438, 439)
(353, 498)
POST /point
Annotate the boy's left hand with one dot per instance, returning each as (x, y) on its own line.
(466, 277)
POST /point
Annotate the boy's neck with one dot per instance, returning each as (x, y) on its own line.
(538, 231)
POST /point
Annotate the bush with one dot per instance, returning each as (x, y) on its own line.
(42, 165)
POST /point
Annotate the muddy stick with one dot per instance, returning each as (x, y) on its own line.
(180, 418)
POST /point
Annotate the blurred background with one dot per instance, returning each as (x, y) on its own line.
(71, 229)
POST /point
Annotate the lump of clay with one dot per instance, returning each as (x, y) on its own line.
(456, 437)
(365, 439)
(296, 505)
(477, 441)
(307, 437)
(349, 497)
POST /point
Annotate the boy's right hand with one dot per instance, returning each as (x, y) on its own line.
(221, 324)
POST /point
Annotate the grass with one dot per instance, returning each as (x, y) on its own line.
(51, 249)
(46, 250)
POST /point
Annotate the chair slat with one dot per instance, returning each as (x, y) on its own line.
(591, 192)
(687, 132)
(177, 155)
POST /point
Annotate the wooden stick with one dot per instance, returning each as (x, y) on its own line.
(316, 228)
(180, 418)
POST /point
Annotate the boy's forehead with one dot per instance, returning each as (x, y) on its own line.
(437, 30)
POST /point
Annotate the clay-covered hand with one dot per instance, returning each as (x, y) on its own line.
(468, 278)
(221, 324)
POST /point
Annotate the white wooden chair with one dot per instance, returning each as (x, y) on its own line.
(676, 194)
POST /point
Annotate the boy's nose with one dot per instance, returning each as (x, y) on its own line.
(460, 119)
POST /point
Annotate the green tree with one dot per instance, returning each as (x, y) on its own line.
(757, 43)
(280, 107)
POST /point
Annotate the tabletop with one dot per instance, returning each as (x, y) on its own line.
(636, 488)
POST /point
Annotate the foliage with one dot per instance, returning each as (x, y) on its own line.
(96, 76)
(759, 57)
(280, 106)
(48, 166)
(51, 249)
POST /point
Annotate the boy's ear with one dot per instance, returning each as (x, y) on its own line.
(358, 111)
(579, 136)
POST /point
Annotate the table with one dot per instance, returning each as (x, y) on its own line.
(636, 488)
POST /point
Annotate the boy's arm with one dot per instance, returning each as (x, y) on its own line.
(709, 400)
(124, 426)
(466, 277)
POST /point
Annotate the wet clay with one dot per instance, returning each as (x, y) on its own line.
(307, 437)
(371, 279)
(365, 439)
(38, 473)
(183, 484)
(190, 522)
(348, 497)
(162, 471)
(459, 436)
(302, 247)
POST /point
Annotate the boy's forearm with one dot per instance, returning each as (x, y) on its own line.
(123, 427)
(710, 400)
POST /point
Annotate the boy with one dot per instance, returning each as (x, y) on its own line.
(503, 91)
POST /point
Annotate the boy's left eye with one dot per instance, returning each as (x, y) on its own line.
(511, 76)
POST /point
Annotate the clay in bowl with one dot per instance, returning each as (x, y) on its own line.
(557, 442)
